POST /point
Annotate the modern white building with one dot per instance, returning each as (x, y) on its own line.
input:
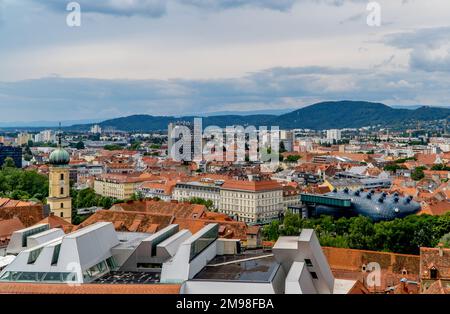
(45, 136)
(201, 263)
(334, 135)
(96, 129)
(296, 265)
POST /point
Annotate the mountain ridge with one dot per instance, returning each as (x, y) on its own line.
(319, 116)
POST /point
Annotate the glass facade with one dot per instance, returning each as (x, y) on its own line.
(56, 277)
(95, 271)
(161, 238)
(32, 257)
(13, 152)
(325, 200)
(111, 262)
(31, 232)
(55, 255)
(203, 242)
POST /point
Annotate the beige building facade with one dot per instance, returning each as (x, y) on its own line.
(252, 201)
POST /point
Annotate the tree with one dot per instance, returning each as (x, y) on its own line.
(393, 167)
(271, 231)
(360, 232)
(21, 185)
(293, 158)
(9, 163)
(405, 235)
(440, 167)
(291, 224)
(79, 145)
(418, 174)
(445, 240)
(136, 145)
(200, 201)
(87, 198)
(137, 196)
(113, 147)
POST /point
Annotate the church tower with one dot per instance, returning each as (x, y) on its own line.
(59, 198)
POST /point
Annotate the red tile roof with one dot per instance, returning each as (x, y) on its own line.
(348, 264)
(57, 222)
(185, 210)
(438, 287)
(430, 257)
(7, 227)
(129, 220)
(252, 186)
(28, 213)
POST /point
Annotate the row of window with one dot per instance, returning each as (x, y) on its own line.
(39, 276)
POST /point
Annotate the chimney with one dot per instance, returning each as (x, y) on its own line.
(441, 249)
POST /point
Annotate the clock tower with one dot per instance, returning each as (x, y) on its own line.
(59, 198)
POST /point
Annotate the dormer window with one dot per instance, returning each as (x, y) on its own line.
(433, 273)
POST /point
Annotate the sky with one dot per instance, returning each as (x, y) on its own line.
(179, 57)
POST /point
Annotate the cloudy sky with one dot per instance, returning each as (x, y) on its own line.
(173, 57)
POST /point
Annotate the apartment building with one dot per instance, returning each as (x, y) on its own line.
(209, 190)
(252, 201)
(117, 186)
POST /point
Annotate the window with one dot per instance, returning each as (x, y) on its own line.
(433, 273)
(95, 271)
(62, 205)
(314, 275)
(62, 191)
(31, 232)
(204, 241)
(32, 257)
(55, 256)
(111, 262)
(61, 214)
(308, 262)
(60, 277)
(62, 176)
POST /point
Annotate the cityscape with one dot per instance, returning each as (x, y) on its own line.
(177, 186)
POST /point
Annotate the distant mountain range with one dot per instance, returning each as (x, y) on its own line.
(320, 116)
(50, 124)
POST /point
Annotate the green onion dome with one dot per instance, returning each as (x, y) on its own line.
(59, 157)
